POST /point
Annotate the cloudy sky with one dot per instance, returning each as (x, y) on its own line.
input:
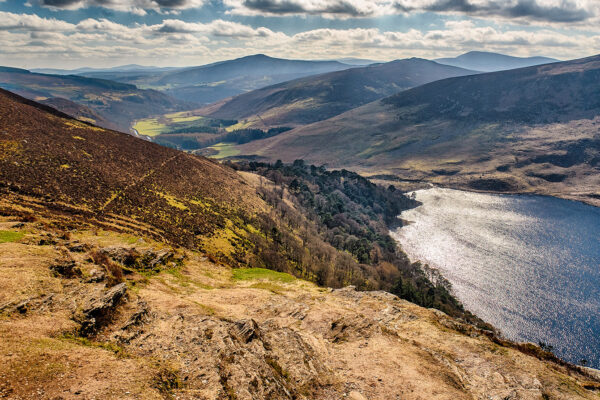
(75, 33)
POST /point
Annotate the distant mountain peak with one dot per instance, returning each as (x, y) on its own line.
(486, 61)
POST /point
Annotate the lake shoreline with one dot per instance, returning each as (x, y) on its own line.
(414, 184)
(536, 198)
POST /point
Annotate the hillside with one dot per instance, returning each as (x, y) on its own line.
(78, 111)
(117, 181)
(491, 62)
(526, 130)
(209, 83)
(120, 103)
(316, 98)
(91, 72)
(116, 282)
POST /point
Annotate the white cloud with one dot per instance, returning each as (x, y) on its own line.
(31, 22)
(176, 42)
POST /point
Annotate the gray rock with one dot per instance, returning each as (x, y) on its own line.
(100, 311)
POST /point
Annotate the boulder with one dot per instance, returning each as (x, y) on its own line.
(101, 311)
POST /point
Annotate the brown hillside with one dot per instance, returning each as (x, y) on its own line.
(103, 174)
(533, 129)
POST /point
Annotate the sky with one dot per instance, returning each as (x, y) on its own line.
(103, 33)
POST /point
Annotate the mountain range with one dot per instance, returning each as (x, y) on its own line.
(209, 83)
(319, 97)
(530, 129)
(88, 70)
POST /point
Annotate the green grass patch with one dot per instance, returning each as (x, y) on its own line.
(249, 274)
(150, 127)
(224, 150)
(10, 236)
(186, 119)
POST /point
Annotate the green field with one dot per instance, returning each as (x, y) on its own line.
(184, 120)
(224, 150)
(150, 127)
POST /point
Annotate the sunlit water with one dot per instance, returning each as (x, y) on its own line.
(529, 265)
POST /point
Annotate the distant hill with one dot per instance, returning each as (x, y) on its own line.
(91, 71)
(489, 62)
(209, 83)
(531, 129)
(119, 103)
(358, 61)
(316, 98)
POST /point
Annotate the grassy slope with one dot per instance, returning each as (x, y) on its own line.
(316, 98)
(532, 129)
(202, 330)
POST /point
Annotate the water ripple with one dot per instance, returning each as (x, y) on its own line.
(530, 265)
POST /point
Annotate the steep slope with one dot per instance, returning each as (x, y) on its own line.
(78, 111)
(117, 181)
(104, 175)
(120, 103)
(490, 62)
(532, 129)
(316, 98)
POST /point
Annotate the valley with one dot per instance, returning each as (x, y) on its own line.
(493, 132)
(288, 228)
(131, 270)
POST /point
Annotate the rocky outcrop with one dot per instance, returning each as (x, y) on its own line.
(100, 311)
(145, 260)
(194, 331)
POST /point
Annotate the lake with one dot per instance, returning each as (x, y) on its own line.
(529, 265)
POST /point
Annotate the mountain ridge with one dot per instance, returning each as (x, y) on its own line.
(490, 62)
(495, 131)
(319, 97)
